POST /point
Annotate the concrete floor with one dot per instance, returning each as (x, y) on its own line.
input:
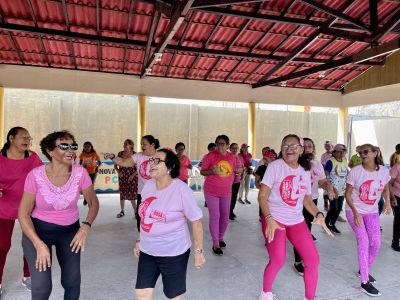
(109, 268)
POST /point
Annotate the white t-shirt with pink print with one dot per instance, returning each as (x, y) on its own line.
(288, 188)
(143, 167)
(317, 174)
(164, 214)
(367, 188)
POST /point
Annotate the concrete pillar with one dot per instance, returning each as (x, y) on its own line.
(1, 116)
(141, 125)
(252, 127)
(343, 125)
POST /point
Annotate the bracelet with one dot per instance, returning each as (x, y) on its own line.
(87, 223)
(198, 250)
(320, 213)
(267, 217)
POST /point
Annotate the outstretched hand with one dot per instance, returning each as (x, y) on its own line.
(271, 227)
(320, 220)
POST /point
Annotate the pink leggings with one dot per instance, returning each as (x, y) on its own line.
(368, 237)
(218, 209)
(300, 237)
(6, 229)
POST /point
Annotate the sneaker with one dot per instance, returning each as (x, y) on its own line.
(370, 278)
(217, 251)
(241, 201)
(369, 289)
(299, 268)
(334, 229)
(27, 283)
(267, 296)
(396, 247)
(222, 244)
(341, 219)
(247, 201)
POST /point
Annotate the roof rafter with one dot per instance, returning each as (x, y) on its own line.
(153, 28)
(211, 3)
(71, 46)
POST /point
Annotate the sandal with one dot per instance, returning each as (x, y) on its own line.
(121, 214)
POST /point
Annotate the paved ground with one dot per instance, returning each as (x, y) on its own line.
(109, 268)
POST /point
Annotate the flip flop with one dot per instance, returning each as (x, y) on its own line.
(121, 214)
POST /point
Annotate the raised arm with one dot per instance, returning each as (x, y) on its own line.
(123, 162)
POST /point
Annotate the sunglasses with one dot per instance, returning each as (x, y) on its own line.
(155, 160)
(365, 152)
(65, 146)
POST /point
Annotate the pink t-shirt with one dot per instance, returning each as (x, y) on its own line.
(183, 171)
(317, 174)
(239, 164)
(367, 188)
(288, 189)
(57, 205)
(247, 158)
(12, 177)
(219, 184)
(395, 174)
(143, 167)
(164, 214)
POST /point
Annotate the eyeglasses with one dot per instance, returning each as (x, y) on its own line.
(26, 138)
(291, 147)
(65, 146)
(155, 160)
(365, 152)
(180, 149)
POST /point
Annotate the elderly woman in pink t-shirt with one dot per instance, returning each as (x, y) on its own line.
(285, 190)
(49, 216)
(163, 245)
(218, 168)
(185, 162)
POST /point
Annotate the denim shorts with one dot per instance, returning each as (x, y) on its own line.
(172, 270)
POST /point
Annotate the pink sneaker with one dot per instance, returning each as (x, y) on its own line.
(267, 296)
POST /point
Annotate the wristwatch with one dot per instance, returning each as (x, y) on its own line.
(198, 250)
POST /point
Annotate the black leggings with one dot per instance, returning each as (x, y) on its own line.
(396, 223)
(235, 190)
(335, 207)
(139, 200)
(308, 218)
(60, 237)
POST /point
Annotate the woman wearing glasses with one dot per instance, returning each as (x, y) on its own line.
(16, 161)
(365, 185)
(141, 161)
(49, 216)
(163, 246)
(285, 190)
(218, 168)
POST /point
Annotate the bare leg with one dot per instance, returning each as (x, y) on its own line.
(122, 203)
(144, 294)
(133, 202)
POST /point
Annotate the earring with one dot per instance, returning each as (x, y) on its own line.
(168, 172)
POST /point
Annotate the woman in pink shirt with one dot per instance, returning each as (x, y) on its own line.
(49, 216)
(364, 186)
(245, 183)
(218, 168)
(16, 161)
(234, 148)
(395, 200)
(163, 245)
(185, 162)
(285, 190)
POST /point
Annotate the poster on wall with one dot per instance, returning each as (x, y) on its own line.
(107, 178)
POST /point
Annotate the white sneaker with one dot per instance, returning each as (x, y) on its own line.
(267, 296)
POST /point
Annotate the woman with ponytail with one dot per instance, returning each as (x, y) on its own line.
(365, 185)
(141, 161)
(285, 190)
(16, 161)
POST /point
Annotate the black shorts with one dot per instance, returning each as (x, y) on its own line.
(172, 270)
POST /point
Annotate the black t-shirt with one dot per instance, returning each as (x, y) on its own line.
(261, 171)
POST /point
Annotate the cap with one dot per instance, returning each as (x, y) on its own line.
(270, 154)
(340, 147)
(245, 146)
(328, 143)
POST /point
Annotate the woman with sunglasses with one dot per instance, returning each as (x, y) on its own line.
(90, 160)
(218, 168)
(163, 245)
(49, 216)
(127, 179)
(185, 162)
(365, 185)
(318, 180)
(141, 161)
(285, 190)
(16, 161)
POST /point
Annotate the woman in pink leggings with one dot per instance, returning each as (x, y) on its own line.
(365, 185)
(285, 190)
(218, 167)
